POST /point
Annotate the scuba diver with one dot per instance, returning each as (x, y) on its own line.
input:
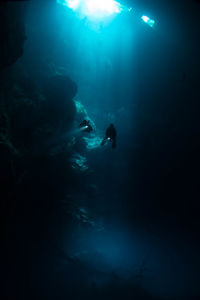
(85, 126)
(110, 136)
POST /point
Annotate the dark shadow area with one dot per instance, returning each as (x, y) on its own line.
(99, 151)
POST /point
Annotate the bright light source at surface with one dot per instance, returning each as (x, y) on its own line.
(95, 9)
(102, 7)
(148, 21)
(73, 4)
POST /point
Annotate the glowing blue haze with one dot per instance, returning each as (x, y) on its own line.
(95, 9)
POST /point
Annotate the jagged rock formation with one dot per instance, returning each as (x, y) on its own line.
(33, 117)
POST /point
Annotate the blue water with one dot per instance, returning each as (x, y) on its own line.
(112, 223)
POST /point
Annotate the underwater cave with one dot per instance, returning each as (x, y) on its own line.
(99, 149)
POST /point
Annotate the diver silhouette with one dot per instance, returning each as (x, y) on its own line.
(111, 134)
(85, 126)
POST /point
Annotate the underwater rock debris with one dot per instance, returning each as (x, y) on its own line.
(81, 215)
(92, 142)
(79, 163)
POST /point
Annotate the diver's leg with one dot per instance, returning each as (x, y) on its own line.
(114, 143)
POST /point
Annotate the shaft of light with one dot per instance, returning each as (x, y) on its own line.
(94, 8)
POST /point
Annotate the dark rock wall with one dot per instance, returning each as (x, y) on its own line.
(12, 38)
(12, 32)
(34, 115)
